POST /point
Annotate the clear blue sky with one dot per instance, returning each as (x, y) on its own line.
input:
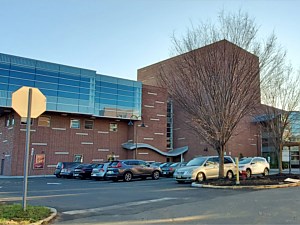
(116, 37)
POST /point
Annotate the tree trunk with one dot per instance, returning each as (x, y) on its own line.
(221, 161)
(280, 159)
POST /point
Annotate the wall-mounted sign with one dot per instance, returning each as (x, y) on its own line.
(39, 161)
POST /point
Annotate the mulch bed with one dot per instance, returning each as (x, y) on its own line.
(254, 180)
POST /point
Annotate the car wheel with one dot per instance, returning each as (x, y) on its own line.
(266, 172)
(248, 173)
(127, 176)
(229, 175)
(58, 176)
(200, 177)
(155, 175)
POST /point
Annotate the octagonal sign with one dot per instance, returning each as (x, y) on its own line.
(20, 102)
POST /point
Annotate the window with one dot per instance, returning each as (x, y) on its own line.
(9, 120)
(113, 127)
(78, 158)
(75, 123)
(44, 121)
(24, 121)
(89, 124)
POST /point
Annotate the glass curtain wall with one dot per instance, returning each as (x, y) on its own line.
(70, 89)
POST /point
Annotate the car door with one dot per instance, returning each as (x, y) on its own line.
(255, 165)
(211, 167)
(144, 168)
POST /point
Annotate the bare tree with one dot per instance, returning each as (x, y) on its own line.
(219, 85)
(282, 97)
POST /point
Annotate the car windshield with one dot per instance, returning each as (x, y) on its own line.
(245, 160)
(196, 162)
(174, 164)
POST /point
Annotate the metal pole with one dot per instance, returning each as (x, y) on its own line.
(26, 157)
(237, 182)
(136, 140)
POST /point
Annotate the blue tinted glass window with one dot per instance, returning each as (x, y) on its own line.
(85, 79)
(84, 97)
(3, 87)
(84, 91)
(46, 72)
(68, 88)
(39, 84)
(67, 108)
(4, 72)
(125, 98)
(13, 88)
(108, 101)
(109, 96)
(46, 78)
(84, 84)
(5, 66)
(21, 82)
(25, 69)
(22, 75)
(121, 92)
(124, 87)
(48, 92)
(110, 85)
(67, 101)
(127, 104)
(69, 82)
(70, 77)
(109, 90)
(3, 79)
(67, 94)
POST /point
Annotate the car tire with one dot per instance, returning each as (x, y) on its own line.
(58, 176)
(155, 175)
(229, 175)
(248, 173)
(127, 177)
(266, 172)
(200, 177)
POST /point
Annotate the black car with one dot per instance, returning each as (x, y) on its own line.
(84, 171)
(131, 168)
(169, 169)
(63, 165)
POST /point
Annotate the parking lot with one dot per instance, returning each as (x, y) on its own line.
(150, 201)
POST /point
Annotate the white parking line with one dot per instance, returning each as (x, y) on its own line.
(53, 183)
(74, 212)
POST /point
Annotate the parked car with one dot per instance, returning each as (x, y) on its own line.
(84, 171)
(254, 165)
(68, 170)
(169, 170)
(205, 167)
(63, 165)
(165, 164)
(99, 172)
(155, 164)
(131, 168)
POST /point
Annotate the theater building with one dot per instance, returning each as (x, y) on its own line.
(92, 117)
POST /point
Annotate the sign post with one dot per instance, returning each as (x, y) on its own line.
(30, 103)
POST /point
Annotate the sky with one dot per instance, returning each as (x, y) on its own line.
(117, 37)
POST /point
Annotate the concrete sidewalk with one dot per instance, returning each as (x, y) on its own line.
(293, 170)
(14, 177)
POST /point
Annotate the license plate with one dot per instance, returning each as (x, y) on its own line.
(76, 175)
(179, 177)
(164, 172)
(110, 172)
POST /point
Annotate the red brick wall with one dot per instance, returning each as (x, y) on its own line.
(243, 141)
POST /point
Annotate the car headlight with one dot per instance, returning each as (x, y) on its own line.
(188, 172)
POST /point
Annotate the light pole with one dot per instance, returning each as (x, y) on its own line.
(136, 131)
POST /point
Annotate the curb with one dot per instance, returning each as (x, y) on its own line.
(48, 219)
(246, 187)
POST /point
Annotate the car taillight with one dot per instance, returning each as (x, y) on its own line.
(102, 170)
(118, 165)
(171, 169)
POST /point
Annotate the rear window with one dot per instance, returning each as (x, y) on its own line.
(58, 165)
(100, 166)
(114, 163)
(174, 164)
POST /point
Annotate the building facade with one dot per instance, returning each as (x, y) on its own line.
(89, 117)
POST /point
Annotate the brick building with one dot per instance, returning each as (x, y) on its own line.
(91, 117)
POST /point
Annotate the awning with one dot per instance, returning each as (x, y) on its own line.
(173, 152)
